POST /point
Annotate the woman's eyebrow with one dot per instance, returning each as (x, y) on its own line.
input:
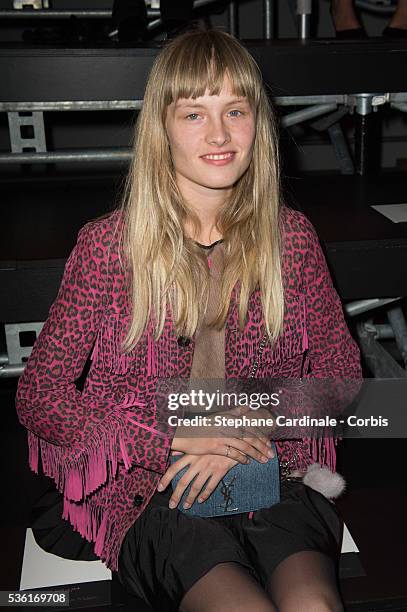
(197, 105)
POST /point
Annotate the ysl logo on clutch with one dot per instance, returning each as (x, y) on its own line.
(227, 495)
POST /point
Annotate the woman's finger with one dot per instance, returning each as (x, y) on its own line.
(252, 447)
(251, 433)
(209, 488)
(205, 482)
(174, 468)
(183, 484)
(232, 453)
(255, 436)
(196, 489)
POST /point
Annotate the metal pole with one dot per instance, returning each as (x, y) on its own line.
(341, 148)
(304, 11)
(307, 113)
(361, 144)
(269, 21)
(357, 307)
(362, 133)
(233, 19)
(67, 105)
(11, 371)
(401, 107)
(303, 100)
(62, 14)
(397, 97)
(120, 154)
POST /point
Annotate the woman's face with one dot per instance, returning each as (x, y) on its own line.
(211, 140)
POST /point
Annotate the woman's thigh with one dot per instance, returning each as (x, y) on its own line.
(304, 520)
(305, 581)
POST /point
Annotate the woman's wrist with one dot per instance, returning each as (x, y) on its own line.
(176, 444)
(179, 441)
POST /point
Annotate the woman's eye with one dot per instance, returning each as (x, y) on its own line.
(192, 116)
(236, 113)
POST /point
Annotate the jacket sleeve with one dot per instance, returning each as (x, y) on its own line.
(332, 352)
(81, 437)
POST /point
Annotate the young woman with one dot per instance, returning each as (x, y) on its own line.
(139, 297)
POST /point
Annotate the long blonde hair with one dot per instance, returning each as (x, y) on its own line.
(167, 269)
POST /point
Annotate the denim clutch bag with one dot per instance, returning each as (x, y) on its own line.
(245, 488)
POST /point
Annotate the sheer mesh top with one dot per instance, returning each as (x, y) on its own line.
(209, 353)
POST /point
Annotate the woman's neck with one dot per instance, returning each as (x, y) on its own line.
(206, 204)
(207, 236)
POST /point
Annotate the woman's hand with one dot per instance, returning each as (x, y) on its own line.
(232, 442)
(203, 467)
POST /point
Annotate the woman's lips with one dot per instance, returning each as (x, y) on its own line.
(218, 159)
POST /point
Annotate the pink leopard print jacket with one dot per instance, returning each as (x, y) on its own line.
(101, 445)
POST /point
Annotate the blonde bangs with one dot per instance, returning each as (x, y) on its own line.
(195, 68)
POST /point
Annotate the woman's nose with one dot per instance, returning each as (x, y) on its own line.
(217, 133)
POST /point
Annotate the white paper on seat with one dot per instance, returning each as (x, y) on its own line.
(348, 543)
(395, 212)
(42, 569)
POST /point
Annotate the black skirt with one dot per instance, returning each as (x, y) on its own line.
(165, 551)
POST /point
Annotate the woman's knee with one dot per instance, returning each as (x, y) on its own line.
(227, 587)
(305, 581)
(313, 603)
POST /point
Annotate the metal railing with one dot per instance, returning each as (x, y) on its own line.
(314, 106)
